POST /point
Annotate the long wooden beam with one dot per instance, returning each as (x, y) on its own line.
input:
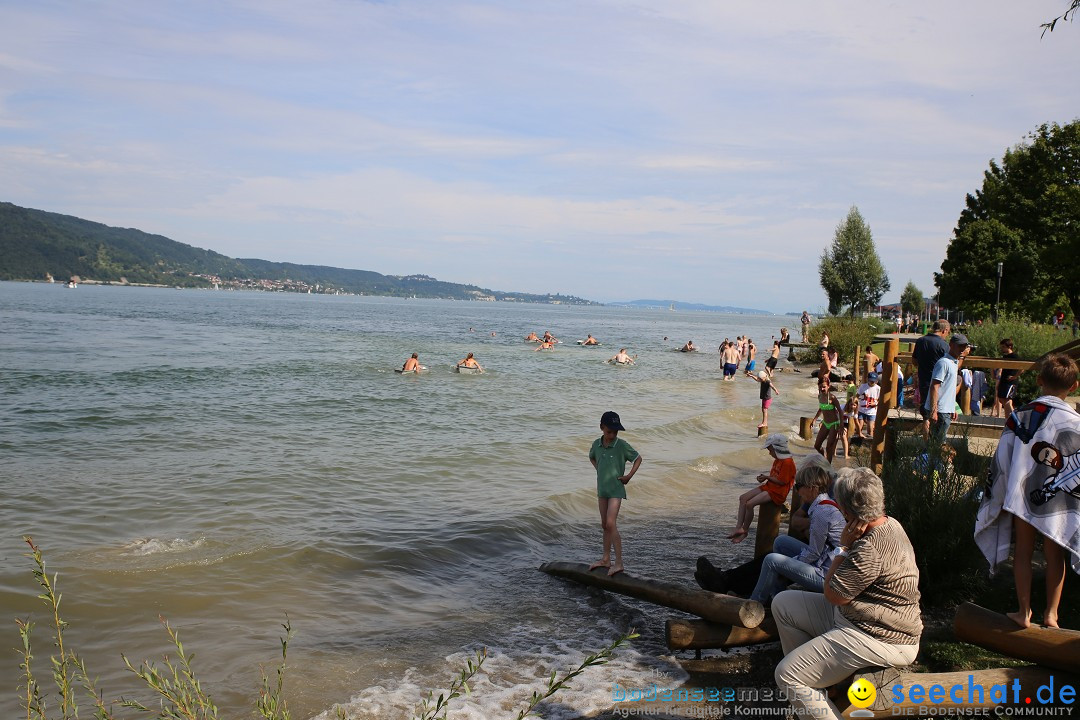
(683, 634)
(1051, 647)
(709, 605)
(1012, 685)
(978, 361)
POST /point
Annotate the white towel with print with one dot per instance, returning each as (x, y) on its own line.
(1035, 476)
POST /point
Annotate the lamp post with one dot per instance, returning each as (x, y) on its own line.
(1001, 267)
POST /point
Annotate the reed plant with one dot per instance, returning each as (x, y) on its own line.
(179, 691)
(934, 493)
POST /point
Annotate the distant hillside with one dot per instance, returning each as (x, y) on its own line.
(668, 304)
(36, 245)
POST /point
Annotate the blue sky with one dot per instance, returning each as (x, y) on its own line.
(696, 150)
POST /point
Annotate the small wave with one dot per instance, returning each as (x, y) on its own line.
(510, 675)
(155, 546)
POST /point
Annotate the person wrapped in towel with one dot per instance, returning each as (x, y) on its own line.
(1032, 488)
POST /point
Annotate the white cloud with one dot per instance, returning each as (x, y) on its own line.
(690, 140)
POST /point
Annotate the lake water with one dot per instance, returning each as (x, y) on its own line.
(225, 458)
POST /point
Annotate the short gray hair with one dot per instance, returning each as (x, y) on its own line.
(816, 472)
(859, 491)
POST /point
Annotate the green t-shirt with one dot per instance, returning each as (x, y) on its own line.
(611, 465)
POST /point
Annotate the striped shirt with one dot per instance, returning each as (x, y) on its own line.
(880, 578)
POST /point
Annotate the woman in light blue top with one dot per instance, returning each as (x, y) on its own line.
(795, 561)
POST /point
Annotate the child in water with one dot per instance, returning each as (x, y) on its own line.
(609, 455)
(768, 392)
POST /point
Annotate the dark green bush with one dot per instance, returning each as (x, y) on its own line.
(1031, 341)
(845, 334)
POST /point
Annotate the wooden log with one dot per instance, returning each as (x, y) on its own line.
(1051, 647)
(768, 527)
(967, 683)
(806, 428)
(683, 634)
(709, 605)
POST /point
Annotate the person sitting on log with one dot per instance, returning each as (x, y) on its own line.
(868, 616)
(775, 486)
(804, 563)
(742, 579)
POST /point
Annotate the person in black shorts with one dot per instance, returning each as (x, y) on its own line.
(1009, 379)
(770, 364)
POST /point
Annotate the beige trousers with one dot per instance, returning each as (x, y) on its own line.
(822, 648)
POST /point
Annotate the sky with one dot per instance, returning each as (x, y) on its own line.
(693, 150)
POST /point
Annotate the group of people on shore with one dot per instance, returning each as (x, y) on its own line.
(857, 602)
(857, 607)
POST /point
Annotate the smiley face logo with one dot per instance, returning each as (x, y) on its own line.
(862, 693)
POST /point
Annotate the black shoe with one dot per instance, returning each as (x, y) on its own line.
(708, 577)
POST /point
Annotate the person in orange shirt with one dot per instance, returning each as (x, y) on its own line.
(775, 487)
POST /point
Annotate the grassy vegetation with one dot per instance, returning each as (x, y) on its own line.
(1032, 340)
(933, 493)
(178, 690)
(845, 334)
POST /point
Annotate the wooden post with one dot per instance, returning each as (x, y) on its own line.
(886, 403)
(858, 365)
(709, 605)
(806, 428)
(1051, 647)
(768, 527)
(965, 400)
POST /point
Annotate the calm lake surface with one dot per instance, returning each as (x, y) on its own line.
(224, 458)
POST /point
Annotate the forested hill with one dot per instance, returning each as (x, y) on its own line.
(36, 245)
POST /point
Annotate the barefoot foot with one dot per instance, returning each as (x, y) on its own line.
(1023, 619)
(738, 536)
(1050, 621)
(616, 568)
(600, 564)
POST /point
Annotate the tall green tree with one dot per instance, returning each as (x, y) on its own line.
(1027, 217)
(912, 300)
(851, 271)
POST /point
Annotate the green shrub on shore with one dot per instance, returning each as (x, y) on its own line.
(179, 690)
(933, 494)
(845, 334)
(1031, 340)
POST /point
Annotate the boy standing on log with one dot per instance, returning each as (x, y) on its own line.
(1034, 489)
(609, 456)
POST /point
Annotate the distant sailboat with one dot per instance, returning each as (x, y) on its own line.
(672, 308)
